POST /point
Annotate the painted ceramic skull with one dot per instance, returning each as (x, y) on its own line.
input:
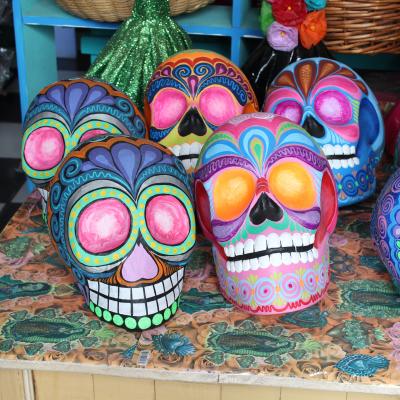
(67, 113)
(339, 110)
(385, 226)
(120, 214)
(266, 198)
(189, 96)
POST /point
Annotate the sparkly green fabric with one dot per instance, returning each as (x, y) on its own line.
(142, 42)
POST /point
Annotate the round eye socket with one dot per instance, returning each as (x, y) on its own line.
(167, 108)
(103, 226)
(167, 220)
(218, 105)
(233, 191)
(292, 185)
(291, 110)
(333, 107)
(44, 148)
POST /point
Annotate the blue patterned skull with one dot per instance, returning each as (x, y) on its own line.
(339, 110)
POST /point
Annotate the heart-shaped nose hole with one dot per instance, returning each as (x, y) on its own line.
(313, 127)
(265, 208)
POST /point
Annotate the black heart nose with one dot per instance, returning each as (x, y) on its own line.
(313, 127)
(192, 123)
(265, 208)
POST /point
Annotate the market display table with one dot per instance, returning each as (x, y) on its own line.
(53, 347)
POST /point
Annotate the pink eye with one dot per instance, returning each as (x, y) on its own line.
(44, 148)
(91, 134)
(291, 110)
(167, 220)
(333, 107)
(167, 108)
(218, 105)
(103, 226)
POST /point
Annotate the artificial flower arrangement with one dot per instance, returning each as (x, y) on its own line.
(288, 21)
(294, 30)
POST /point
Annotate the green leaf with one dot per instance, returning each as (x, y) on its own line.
(33, 349)
(266, 17)
(6, 345)
(63, 347)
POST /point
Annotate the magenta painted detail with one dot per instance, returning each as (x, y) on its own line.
(139, 265)
(44, 148)
(167, 220)
(168, 108)
(218, 105)
(103, 226)
(291, 110)
(333, 107)
(91, 134)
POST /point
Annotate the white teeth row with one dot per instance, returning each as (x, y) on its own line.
(348, 163)
(272, 241)
(273, 260)
(338, 150)
(163, 294)
(186, 149)
(189, 163)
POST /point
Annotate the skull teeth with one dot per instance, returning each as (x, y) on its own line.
(338, 150)
(344, 163)
(345, 156)
(137, 301)
(187, 153)
(272, 250)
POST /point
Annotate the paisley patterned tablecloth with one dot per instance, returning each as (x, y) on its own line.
(352, 336)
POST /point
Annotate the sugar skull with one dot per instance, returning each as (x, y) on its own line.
(189, 96)
(120, 213)
(67, 113)
(339, 110)
(385, 226)
(266, 198)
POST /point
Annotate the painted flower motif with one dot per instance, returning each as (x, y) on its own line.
(173, 343)
(266, 16)
(283, 38)
(289, 12)
(313, 29)
(315, 4)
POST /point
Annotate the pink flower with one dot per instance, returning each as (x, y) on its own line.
(283, 38)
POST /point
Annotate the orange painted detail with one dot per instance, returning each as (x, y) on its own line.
(292, 185)
(234, 189)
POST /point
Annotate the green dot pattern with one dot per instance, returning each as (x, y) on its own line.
(98, 312)
(130, 323)
(157, 319)
(107, 315)
(167, 314)
(144, 323)
(118, 320)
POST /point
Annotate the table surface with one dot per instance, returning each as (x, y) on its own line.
(350, 341)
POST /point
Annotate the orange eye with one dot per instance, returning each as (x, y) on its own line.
(233, 191)
(292, 185)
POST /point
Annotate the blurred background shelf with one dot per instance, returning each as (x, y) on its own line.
(227, 29)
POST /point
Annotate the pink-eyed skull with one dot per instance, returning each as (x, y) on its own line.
(337, 108)
(266, 198)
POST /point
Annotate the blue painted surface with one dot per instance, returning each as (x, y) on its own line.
(19, 45)
(230, 24)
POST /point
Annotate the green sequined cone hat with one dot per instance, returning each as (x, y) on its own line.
(142, 42)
